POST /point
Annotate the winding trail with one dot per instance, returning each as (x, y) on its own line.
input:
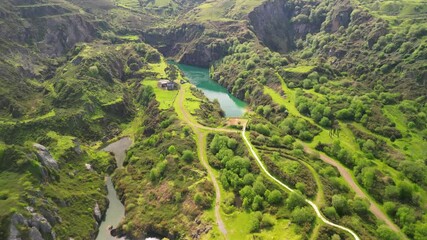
(201, 150)
(316, 209)
(373, 207)
(202, 145)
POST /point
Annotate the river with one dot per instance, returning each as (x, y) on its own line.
(116, 211)
(232, 106)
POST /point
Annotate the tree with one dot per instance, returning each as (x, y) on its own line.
(248, 179)
(420, 231)
(294, 200)
(386, 233)
(331, 213)
(302, 215)
(275, 197)
(360, 206)
(340, 204)
(146, 95)
(405, 191)
(344, 114)
(325, 122)
(276, 140)
(254, 224)
(248, 193)
(267, 221)
(369, 146)
(187, 156)
(232, 143)
(259, 187)
(307, 84)
(288, 140)
(405, 215)
(172, 149)
(257, 203)
(414, 170)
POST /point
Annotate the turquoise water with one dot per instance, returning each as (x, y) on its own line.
(232, 106)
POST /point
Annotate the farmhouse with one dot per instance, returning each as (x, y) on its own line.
(166, 84)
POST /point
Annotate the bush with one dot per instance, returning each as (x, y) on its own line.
(254, 224)
(323, 79)
(302, 215)
(187, 156)
(93, 71)
(307, 84)
(340, 204)
(386, 233)
(275, 197)
(267, 221)
(294, 200)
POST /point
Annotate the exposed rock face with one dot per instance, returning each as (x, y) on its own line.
(38, 227)
(63, 33)
(271, 23)
(40, 222)
(196, 44)
(16, 220)
(45, 157)
(34, 234)
(278, 23)
(340, 16)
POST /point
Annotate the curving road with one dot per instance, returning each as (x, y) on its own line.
(353, 185)
(316, 209)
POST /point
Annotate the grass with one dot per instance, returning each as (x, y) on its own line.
(132, 38)
(11, 188)
(159, 68)
(413, 145)
(39, 118)
(63, 143)
(223, 10)
(238, 225)
(166, 98)
(300, 69)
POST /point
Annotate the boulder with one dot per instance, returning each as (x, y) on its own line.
(97, 213)
(35, 234)
(77, 147)
(45, 157)
(17, 219)
(41, 223)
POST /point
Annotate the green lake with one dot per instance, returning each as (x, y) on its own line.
(232, 106)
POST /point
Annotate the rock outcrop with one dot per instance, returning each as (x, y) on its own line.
(45, 157)
(97, 213)
(340, 16)
(271, 22)
(37, 226)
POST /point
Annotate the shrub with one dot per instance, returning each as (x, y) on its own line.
(302, 215)
(187, 156)
(386, 233)
(93, 71)
(267, 221)
(294, 200)
(275, 197)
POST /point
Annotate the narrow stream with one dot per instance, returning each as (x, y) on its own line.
(116, 211)
(232, 106)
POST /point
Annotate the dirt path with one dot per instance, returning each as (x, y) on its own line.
(353, 185)
(314, 206)
(201, 150)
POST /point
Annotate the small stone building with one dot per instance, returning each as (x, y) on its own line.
(166, 84)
